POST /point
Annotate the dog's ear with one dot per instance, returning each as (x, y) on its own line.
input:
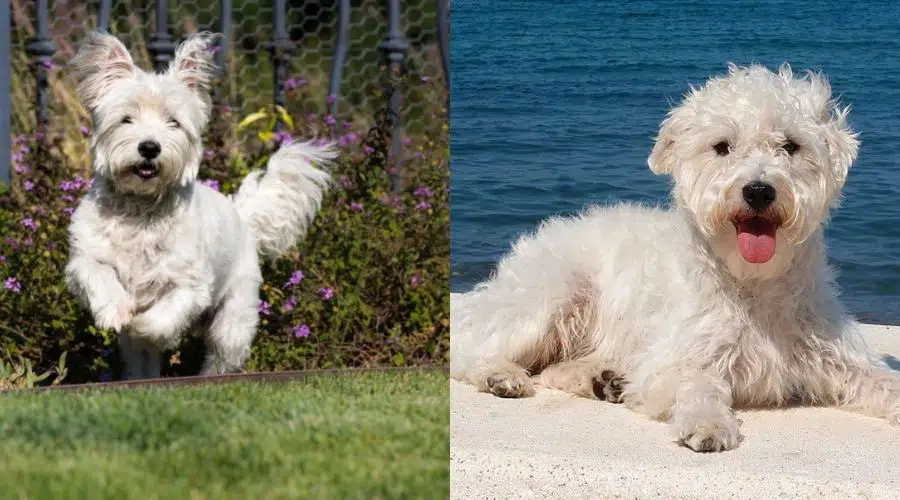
(842, 142)
(101, 61)
(662, 160)
(194, 62)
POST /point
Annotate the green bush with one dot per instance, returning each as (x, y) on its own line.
(367, 286)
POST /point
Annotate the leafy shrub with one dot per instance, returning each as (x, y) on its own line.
(367, 286)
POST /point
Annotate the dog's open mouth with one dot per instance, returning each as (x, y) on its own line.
(146, 170)
(756, 238)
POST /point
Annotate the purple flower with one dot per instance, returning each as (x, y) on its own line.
(407, 141)
(211, 183)
(85, 131)
(19, 169)
(264, 307)
(331, 99)
(368, 149)
(425, 78)
(423, 205)
(300, 331)
(423, 192)
(290, 304)
(29, 223)
(356, 206)
(345, 182)
(415, 280)
(13, 285)
(51, 245)
(68, 197)
(347, 124)
(295, 279)
(295, 83)
(327, 293)
(48, 64)
(68, 211)
(330, 120)
(208, 153)
(25, 149)
(2, 258)
(20, 139)
(27, 185)
(282, 137)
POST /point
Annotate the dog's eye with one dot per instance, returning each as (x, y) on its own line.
(722, 148)
(126, 120)
(173, 122)
(790, 147)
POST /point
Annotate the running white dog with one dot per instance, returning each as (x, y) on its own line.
(155, 254)
(724, 301)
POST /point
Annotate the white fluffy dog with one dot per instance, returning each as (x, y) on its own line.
(723, 301)
(155, 254)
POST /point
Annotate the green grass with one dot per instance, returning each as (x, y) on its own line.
(337, 436)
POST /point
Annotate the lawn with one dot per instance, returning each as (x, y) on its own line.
(381, 435)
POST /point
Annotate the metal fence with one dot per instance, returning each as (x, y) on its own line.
(336, 50)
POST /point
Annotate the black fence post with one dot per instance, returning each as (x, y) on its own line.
(394, 47)
(222, 55)
(41, 48)
(443, 32)
(280, 48)
(103, 22)
(161, 46)
(5, 93)
(340, 54)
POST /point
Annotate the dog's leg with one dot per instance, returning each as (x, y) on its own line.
(141, 360)
(870, 390)
(696, 403)
(232, 330)
(97, 286)
(589, 377)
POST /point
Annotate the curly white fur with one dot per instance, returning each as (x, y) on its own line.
(668, 298)
(155, 254)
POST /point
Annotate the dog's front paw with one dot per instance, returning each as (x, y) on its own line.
(709, 435)
(156, 329)
(115, 316)
(608, 386)
(510, 385)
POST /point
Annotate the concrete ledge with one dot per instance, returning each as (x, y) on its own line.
(557, 446)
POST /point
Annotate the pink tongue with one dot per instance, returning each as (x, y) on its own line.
(756, 240)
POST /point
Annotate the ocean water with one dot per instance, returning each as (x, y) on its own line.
(554, 105)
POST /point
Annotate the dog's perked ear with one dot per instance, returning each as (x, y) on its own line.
(843, 143)
(101, 61)
(662, 160)
(194, 62)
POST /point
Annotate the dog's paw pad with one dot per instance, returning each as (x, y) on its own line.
(506, 385)
(609, 386)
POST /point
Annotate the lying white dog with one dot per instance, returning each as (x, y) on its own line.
(155, 254)
(724, 301)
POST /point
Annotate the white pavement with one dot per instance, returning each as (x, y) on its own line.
(557, 446)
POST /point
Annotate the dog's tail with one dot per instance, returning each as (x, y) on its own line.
(280, 203)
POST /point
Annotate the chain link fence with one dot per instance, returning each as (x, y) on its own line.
(336, 53)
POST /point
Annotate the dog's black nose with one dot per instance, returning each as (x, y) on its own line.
(759, 195)
(149, 149)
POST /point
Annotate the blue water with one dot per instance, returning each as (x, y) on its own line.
(555, 104)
